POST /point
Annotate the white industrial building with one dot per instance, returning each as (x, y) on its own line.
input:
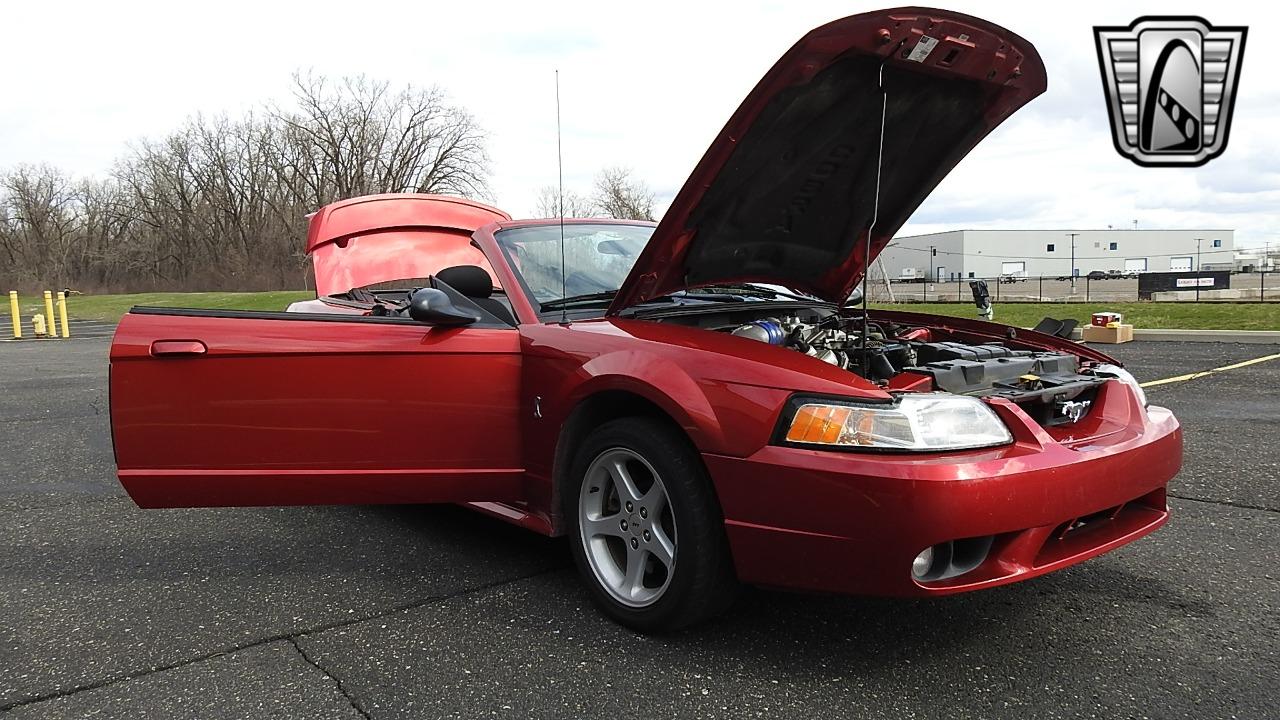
(959, 254)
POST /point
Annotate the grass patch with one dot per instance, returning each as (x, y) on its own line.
(112, 307)
(1185, 316)
(1159, 315)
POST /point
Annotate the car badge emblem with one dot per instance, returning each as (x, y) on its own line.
(1074, 410)
(1170, 84)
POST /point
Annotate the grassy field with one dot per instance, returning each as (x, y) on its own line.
(1191, 316)
(111, 307)
(1185, 316)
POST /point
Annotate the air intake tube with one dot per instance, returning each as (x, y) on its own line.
(765, 331)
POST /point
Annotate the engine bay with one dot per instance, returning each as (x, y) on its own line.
(1053, 387)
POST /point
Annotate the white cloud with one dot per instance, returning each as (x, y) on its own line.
(646, 86)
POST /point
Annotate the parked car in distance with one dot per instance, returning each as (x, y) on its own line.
(694, 404)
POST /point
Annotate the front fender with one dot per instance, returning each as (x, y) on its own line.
(660, 381)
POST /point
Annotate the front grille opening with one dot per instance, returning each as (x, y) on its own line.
(1079, 524)
(1083, 533)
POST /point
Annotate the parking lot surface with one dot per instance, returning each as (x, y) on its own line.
(109, 611)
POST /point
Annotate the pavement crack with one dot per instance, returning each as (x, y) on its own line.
(336, 680)
(125, 677)
(1226, 503)
(287, 637)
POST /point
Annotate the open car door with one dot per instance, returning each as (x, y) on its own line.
(218, 408)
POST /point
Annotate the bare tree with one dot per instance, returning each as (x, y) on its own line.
(575, 205)
(355, 137)
(617, 195)
(43, 217)
(221, 203)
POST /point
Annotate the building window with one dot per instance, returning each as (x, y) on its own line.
(1048, 248)
(1114, 246)
(1217, 243)
(970, 273)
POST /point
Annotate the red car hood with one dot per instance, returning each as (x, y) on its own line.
(786, 193)
(378, 238)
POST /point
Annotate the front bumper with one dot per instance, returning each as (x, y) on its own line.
(849, 522)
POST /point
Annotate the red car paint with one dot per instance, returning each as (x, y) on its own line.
(365, 240)
(248, 408)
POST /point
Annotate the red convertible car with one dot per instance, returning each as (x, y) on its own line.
(696, 404)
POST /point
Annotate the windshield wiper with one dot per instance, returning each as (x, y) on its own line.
(762, 290)
(579, 300)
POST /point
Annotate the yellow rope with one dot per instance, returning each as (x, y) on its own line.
(1204, 373)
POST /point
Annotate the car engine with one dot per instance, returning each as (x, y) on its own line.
(1053, 387)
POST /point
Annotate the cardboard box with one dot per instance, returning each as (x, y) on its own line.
(1111, 335)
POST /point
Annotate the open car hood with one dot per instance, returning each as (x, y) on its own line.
(380, 238)
(786, 193)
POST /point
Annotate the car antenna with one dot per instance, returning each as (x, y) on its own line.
(875, 216)
(564, 292)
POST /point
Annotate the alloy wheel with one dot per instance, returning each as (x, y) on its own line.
(627, 527)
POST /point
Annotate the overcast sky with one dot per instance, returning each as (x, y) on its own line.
(644, 85)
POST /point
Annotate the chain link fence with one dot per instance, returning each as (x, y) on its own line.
(1243, 287)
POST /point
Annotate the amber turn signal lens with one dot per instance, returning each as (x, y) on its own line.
(818, 424)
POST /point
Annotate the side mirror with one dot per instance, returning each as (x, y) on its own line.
(433, 307)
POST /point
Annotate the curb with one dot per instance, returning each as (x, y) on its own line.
(1248, 337)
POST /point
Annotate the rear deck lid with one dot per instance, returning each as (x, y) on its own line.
(381, 238)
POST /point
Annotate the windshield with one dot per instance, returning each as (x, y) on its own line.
(597, 257)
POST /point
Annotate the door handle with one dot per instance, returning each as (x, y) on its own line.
(161, 348)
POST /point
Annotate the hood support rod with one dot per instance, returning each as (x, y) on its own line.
(875, 216)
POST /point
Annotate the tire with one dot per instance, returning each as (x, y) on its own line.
(652, 566)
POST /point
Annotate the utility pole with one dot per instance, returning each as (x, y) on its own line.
(888, 287)
(929, 280)
(1262, 277)
(1073, 260)
(1198, 241)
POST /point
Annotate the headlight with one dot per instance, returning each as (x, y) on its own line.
(1124, 376)
(913, 422)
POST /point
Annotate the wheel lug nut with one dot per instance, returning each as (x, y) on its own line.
(644, 512)
(646, 536)
(635, 543)
(629, 506)
(624, 524)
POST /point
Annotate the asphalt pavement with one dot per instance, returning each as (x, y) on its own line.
(108, 611)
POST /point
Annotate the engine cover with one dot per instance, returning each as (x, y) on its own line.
(977, 370)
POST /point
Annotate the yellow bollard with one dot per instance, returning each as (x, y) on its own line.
(62, 314)
(15, 314)
(48, 313)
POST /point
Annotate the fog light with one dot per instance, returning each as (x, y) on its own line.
(920, 566)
